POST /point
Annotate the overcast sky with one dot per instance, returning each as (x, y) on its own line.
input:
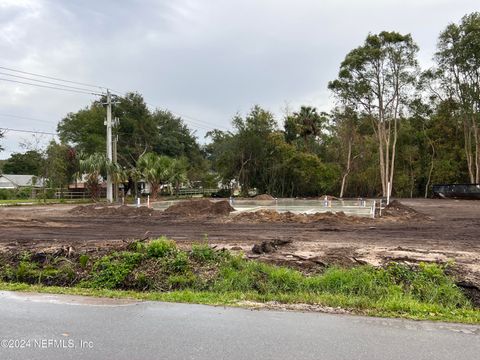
(203, 59)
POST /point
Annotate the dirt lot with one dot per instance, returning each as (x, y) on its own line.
(450, 231)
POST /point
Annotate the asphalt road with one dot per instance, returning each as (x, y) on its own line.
(57, 327)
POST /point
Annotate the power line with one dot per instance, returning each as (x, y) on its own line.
(28, 131)
(26, 118)
(192, 120)
(45, 82)
(53, 78)
(50, 87)
(199, 124)
(196, 123)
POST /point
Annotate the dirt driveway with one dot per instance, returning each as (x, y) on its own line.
(451, 234)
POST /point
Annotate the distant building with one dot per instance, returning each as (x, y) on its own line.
(18, 181)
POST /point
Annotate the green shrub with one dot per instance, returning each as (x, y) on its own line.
(23, 193)
(203, 253)
(161, 247)
(63, 274)
(142, 281)
(7, 273)
(179, 263)
(110, 271)
(137, 246)
(7, 194)
(27, 271)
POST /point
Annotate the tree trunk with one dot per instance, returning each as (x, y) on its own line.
(476, 137)
(394, 150)
(154, 187)
(347, 171)
(381, 157)
(429, 179)
(468, 149)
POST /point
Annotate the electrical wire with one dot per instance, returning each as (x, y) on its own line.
(28, 131)
(45, 82)
(196, 123)
(50, 87)
(199, 124)
(25, 118)
(52, 78)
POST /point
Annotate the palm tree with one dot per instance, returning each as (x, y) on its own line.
(178, 173)
(118, 174)
(93, 166)
(155, 170)
(136, 175)
(309, 123)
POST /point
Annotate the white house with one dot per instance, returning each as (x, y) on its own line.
(17, 181)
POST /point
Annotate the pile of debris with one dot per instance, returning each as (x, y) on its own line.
(98, 210)
(202, 207)
(266, 247)
(400, 211)
(263, 197)
(267, 216)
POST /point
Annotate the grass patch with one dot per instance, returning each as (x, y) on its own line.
(160, 271)
(38, 201)
(203, 253)
(161, 247)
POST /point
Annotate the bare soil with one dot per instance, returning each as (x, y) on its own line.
(412, 231)
(201, 207)
(264, 197)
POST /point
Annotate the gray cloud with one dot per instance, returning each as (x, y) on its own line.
(205, 59)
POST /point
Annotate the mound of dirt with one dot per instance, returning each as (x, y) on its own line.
(398, 210)
(124, 210)
(201, 207)
(266, 216)
(264, 197)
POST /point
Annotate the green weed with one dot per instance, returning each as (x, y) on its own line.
(203, 253)
(83, 261)
(161, 247)
(179, 263)
(110, 271)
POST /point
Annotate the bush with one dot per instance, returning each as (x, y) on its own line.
(137, 246)
(7, 194)
(142, 281)
(23, 193)
(27, 272)
(161, 247)
(111, 271)
(203, 253)
(179, 263)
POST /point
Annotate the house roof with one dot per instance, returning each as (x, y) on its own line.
(9, 180)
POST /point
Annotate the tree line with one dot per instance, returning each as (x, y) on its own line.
(394, 127)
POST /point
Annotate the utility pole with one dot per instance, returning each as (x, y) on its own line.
(114, 157)
(109, 146)
(114, 142)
